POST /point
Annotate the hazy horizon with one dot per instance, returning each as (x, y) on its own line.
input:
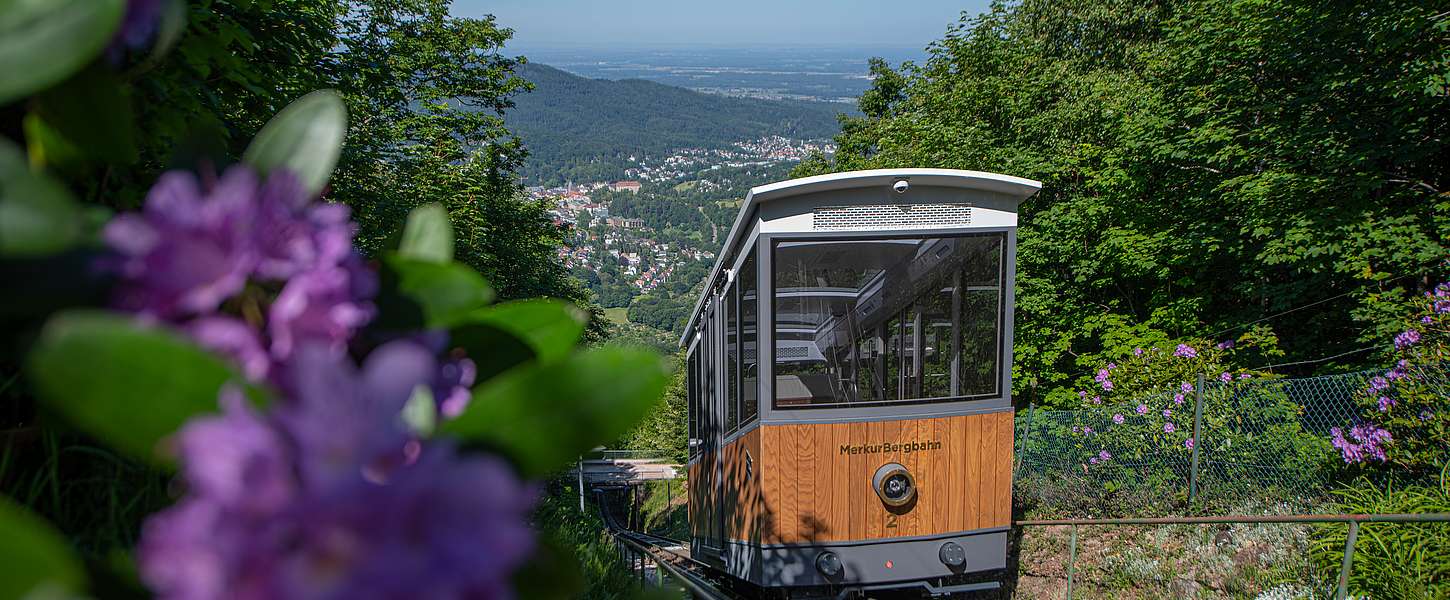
(743, 24)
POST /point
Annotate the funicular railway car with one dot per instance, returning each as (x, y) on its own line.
(850, 418)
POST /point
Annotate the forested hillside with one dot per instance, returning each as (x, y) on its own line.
(1264, 172)
(586, 129)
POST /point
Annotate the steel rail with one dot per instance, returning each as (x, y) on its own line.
(696, 585)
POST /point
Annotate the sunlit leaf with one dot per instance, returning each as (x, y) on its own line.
(38, 216)
(544, 415)
(34, 559)
(550, 327)
(425, 294)
(305, 138)
(92, 112)
(428, 236)
(44, 41)
(128, 384)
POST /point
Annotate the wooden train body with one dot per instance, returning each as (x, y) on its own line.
(851, 421)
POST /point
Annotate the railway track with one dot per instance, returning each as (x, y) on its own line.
(670, 555)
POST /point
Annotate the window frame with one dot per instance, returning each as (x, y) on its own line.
(1005, 271)
(751, 275)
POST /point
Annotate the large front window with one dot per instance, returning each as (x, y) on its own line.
(888, 320)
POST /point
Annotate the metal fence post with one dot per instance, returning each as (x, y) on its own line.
(1348, 561)
(580, 468)
(1197, 441)
(1026, 435)
(1071, 560)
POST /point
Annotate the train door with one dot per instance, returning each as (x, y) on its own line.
(711, 438)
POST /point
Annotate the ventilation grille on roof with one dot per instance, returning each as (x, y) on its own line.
(791, 352)
(891, 216)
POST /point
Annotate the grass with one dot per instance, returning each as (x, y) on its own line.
(618, 316)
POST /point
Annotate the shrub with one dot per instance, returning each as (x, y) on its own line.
(1406, 410)
(1391, 560)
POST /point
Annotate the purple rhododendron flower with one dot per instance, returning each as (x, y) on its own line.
(138, 25)
(1243, 376)
(187, 251)
(455, 378)
(1442, 306)
(321, 305)
(190, 250)
(1168, 428)
(1186, 387)
(1076, 429)
(1225, 345)
(322, 498)
(1167, 413)
(1188, 443)
(1428, 320)
(1385, 403)
(1118, 418)
(1407, 338)
(1225, 377)
(1097, 400)
(1364, 443)
(1178, 398)
(1082, 394)
(1093, 460)
(1104, 455)
(1378, 383)
(1137, 352)
(1426, 415)
(1185, 351)
(1087, 430)
(235, 340)
(1142, 409)
(1102, 379)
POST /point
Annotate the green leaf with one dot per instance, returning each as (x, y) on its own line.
(44, 41)
(428, 236)
(35, 559)
(92, 112)
(305, 138)
(550, 327)
(424, 294)
(128, 384)
(492, 349)
(38, 216)
(546, 414)
(420, 412)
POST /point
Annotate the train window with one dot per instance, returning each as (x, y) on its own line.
(749, 404)
(731, 356)
(692, 400)
(884, 320)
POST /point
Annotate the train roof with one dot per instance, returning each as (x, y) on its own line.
(1015, 188)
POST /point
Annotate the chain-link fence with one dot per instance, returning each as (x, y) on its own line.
(1260, 444)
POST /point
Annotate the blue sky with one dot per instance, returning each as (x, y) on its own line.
(636, 23)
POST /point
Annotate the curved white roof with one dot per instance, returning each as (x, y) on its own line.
(1016, 188)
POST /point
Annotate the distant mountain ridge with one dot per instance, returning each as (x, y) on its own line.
(585, 129)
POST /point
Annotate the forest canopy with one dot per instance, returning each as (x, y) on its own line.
(1271, 171)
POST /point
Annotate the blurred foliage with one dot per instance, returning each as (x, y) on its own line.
(1205, 164)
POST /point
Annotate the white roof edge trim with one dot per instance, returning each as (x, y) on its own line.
(1017, 188)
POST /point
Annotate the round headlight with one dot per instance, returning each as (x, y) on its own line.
(828, 564)
(895, 485)
(952, 555)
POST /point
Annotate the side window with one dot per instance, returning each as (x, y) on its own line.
(731, 358)
(749, 349)
(692, 400)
